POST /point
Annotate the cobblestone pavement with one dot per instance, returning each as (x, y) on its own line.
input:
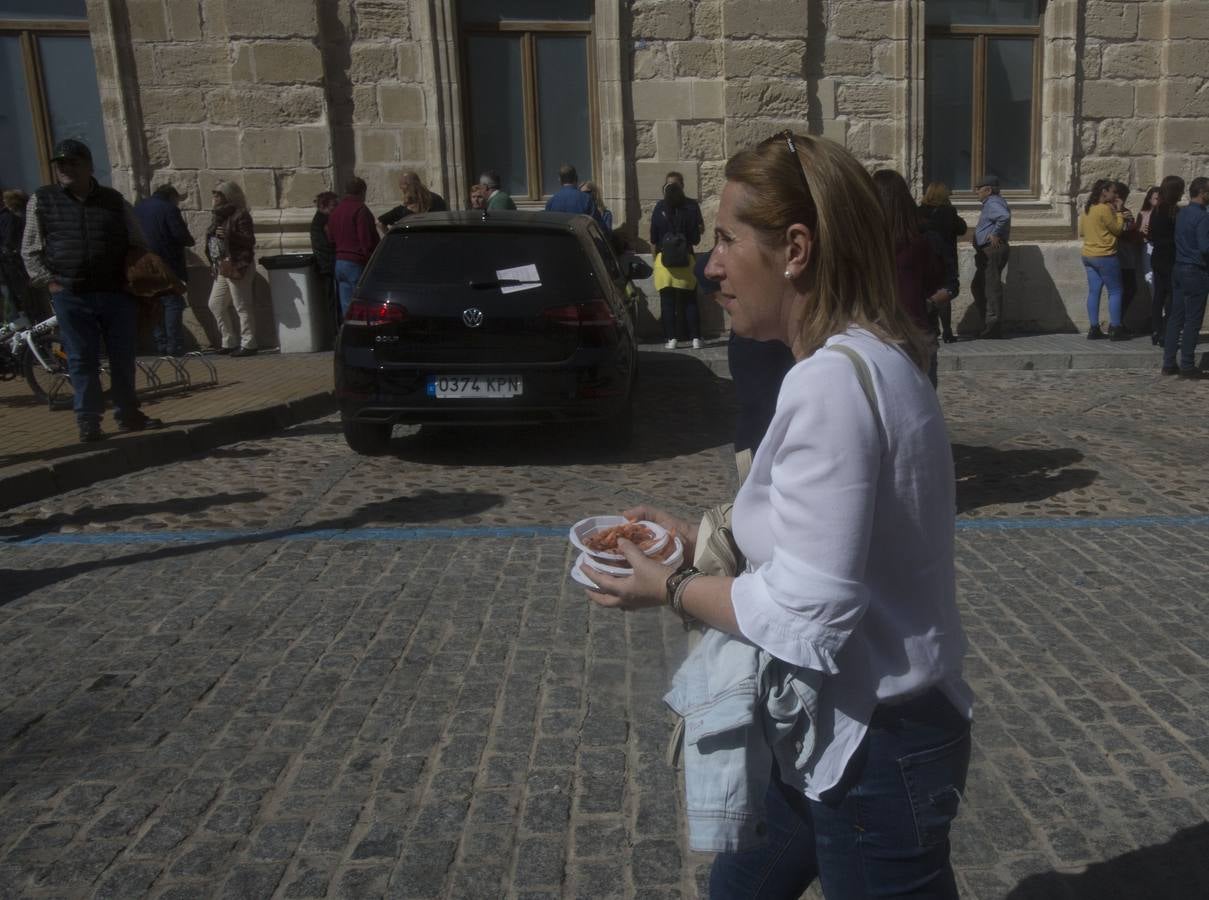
(283, 670)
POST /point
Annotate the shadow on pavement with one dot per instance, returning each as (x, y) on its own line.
(988, 475)
(21, 400)
(682, 410)
(1176, 870)
(111, 440)
(119, 512)
(238, 452)
(426, 506)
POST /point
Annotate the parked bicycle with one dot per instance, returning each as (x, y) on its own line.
(36, 353)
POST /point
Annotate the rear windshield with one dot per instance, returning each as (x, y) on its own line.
(484, 259)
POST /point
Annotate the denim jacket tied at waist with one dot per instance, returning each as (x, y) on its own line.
(740, 706)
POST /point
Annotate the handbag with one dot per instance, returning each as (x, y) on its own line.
(148, 276)
(229, 268)
(716, 552)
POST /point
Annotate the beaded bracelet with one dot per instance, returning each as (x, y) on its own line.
(676, 584)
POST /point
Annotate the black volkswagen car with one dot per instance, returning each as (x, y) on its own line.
(485, 318)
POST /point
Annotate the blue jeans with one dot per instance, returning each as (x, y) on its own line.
(1189, 290)
(348, 273)
(1103, 271)
(883, 831)
(168, 330)
(85, 320)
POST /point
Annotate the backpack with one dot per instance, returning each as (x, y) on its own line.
(674, 248)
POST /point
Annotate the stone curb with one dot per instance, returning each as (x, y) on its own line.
(131, 454)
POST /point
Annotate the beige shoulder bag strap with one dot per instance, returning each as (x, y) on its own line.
(864, 376)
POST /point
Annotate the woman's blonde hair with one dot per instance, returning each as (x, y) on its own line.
(16, 200)
(233, 194)
(415, 196)
(936, 194)
(851, 272)
(590, 188)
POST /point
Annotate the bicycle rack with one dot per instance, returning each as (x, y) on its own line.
(159, 381)
(55, 397)
(211, 372)
(161, 375)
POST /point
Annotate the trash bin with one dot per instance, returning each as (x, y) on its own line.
(298, 302)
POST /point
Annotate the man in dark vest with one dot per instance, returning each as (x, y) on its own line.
(77, 235)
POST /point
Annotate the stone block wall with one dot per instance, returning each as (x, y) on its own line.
(288, 99)
(712, 76)
(220, 90)
(378, 103)
(1144, 77)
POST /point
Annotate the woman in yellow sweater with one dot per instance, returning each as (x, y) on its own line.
(1102, 223)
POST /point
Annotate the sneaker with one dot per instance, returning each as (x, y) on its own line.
(1169, 370)
(670, 345)
(222, 351)
(244, 351)
(1095, 334)
(950, 338)
(991, 333)
(1118, 333)
(1194, 374)
(140, 422)
(90, 431)
(696, 343)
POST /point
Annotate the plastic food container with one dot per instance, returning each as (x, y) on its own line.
(577, 575)
(584, 528)
(673, 559)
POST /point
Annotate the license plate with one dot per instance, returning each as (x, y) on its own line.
(479, 387)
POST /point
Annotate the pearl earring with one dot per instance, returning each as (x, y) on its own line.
(787, 275)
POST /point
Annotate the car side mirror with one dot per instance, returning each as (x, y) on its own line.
(638, 270)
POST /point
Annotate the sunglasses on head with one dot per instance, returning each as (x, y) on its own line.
(787, 137)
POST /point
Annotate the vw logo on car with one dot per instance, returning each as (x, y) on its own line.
(472, 317)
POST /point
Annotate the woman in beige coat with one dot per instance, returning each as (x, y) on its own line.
(230, 242)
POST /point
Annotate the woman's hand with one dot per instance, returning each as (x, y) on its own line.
(647, 587)
(687, 531)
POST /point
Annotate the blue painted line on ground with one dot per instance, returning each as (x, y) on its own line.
(1061, 523)
(534, 531)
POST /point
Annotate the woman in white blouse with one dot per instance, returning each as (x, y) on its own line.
(846, 521)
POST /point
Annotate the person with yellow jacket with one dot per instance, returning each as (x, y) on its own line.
(676, 227)
(1102, 223)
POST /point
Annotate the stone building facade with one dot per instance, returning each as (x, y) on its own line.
(291, 97)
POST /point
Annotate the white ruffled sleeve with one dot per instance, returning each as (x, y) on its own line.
(803, 603)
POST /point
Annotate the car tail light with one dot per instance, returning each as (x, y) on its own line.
(373, 312)
(594, 319)
(562, 315)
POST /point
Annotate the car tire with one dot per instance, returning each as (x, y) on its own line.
(367, 438)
